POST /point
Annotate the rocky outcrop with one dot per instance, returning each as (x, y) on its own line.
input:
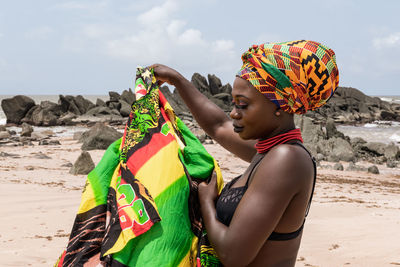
(99, 136)
(15, 108)
(349, 105)
(83, 165)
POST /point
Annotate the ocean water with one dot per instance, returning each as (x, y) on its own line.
(379, 131)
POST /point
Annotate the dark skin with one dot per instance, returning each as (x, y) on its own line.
(279, 189)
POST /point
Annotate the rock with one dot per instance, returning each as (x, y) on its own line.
(38, 136)
(11, 155)
(114, 96)
(67, 104)
(374, 148)
(225, 97)
(77, 135)
(46, 142)
(100, 111)
(319, 157)
(392, 152)
(15, 108)
(214, 84)
(227, 88)
(66, 119)
(174, 100)
(201, 84)
(114, 105)
(391, 164)
(331, 130)
(83, 165)
(125, 108)
(373, 169)
(4, 135)
(3, 128)
(128, 96)
(83, 104)
(100, 103)
(12, 132)
(312, 134)
(389, 116)
(68, 165)
(99, 137)
(41, 155)
(337, 149)
(47, 132)
(26, 129)
(338, 167)
(46, 114)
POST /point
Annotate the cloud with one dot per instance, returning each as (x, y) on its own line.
(82, 5)
(390, 41)
(39, 33)
(157, 35)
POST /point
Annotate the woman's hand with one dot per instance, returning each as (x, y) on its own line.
(208, 192)
(166, 74)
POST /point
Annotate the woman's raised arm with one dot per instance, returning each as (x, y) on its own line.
(209, 116)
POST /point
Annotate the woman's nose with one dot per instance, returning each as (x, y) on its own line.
(234, 114)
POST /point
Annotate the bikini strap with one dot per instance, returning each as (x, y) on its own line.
(252, 170)
(315, 175)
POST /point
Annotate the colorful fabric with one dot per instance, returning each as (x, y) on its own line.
(297, 76)
(139, 204)
(263, 146)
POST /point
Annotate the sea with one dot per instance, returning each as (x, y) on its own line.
(378, 131)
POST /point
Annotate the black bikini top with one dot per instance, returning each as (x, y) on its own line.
(230, 197)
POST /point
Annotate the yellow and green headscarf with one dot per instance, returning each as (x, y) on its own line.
(297, 76)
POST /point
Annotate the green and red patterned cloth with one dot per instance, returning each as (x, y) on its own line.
(139, 206)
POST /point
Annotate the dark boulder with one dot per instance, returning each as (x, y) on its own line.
(114, 96)
(214, 84)
(102, 111)
(128, 96)
(26, 129)
(100, 103)
(125, 109)
(68, 104)
(200, 82)
(99, 136)
(15, 108)
(373, 169)
(83, 165)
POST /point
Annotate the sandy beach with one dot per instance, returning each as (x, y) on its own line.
(354, 218)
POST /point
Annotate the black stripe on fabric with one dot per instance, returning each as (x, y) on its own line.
(147, 138)
(86, 236)
(114, 228)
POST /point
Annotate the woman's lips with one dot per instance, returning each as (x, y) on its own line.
(237, 129)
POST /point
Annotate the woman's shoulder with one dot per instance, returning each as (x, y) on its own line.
(287, 163)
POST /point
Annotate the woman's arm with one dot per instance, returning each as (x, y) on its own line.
(281, 175)
(210, 117)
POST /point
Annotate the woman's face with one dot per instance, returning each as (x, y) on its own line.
(253, 114)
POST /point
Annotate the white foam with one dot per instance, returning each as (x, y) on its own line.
(370, 125)
(395, 138)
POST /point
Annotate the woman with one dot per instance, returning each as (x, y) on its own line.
(258, 218)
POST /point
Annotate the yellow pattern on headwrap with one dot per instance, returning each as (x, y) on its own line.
(297, 76)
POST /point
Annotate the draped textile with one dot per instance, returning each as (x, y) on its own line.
(139, 206)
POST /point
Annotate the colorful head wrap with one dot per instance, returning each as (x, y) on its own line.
(297, 76)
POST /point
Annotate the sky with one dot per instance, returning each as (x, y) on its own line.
(91, 47)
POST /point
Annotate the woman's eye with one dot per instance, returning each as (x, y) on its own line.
(240, 106)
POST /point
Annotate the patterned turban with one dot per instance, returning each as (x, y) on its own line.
(297, 76)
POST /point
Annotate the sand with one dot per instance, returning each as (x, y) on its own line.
(354, 218)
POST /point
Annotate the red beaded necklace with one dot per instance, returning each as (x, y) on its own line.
(265, 145)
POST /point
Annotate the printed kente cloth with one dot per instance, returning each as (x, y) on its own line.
(297, 76)
(139, 206)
